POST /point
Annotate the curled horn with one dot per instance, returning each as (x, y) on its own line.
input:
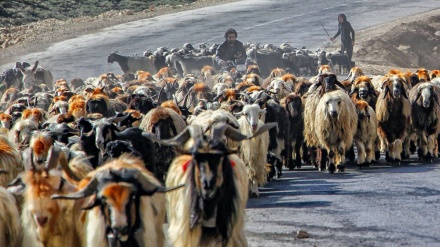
(88, 190)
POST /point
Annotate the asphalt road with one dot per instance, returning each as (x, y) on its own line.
(265, 21)
(377, 206)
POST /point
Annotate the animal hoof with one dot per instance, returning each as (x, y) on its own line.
(279, 175)
(254, 195)
(340, 168)
(331, 168)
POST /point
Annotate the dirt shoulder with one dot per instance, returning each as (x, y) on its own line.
(406, 43)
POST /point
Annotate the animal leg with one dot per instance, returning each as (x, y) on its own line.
(254, 189)
(361, 153)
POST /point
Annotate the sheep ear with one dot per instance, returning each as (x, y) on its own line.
(404, 93)
(35, 66)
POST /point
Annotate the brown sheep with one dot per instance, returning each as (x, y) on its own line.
(393, 111)
(425, 113)
(366, 134)
(363, 89)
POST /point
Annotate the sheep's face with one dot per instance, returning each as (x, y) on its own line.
(276, 85)
(364, 90)
(119, 204)
(294, 106)
(427, 94)
(252, 113)
(208, 173)
(333, 107)
(397, 88)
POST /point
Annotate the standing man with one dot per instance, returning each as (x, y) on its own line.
(230, 50)
(347, 35)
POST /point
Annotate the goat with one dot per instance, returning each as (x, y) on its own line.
(210, 209)
(131, 64)
(126, 207)
(47, 222)
(254, 151)
(20, 133)
(105, 131)
(10, 161)
(10, 228)
(393, 111)
(34, 76)
(191, 64)
(335, 126)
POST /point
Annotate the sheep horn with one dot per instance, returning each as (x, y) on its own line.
(88, 190)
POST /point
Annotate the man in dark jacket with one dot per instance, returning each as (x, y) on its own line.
(230, 50)
(347, 35)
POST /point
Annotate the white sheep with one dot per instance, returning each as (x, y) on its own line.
(335, 126)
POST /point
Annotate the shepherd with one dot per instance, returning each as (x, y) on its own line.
(347, 35)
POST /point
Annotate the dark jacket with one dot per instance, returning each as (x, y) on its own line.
(345, 29)
(226, 52)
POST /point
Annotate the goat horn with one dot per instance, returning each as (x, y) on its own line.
(88, 190)
(223, 129)
(148, 188)
(193, 131)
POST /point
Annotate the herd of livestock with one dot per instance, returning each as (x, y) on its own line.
(104, 161)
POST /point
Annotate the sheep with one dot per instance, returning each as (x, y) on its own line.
(363, 89)
(33, 76)
(98, 102)
(10, 161)
(207, 73)
(165, 124)
(253, 152)
(326, 83)
(10, 228)
(294, 107)
(210, 209)
(131, 64)
(335, 123)
(37, 115)
(393, 111)
(280, 87)
(425, 111)
(125, 205)
(366, 134)
(423, 75)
